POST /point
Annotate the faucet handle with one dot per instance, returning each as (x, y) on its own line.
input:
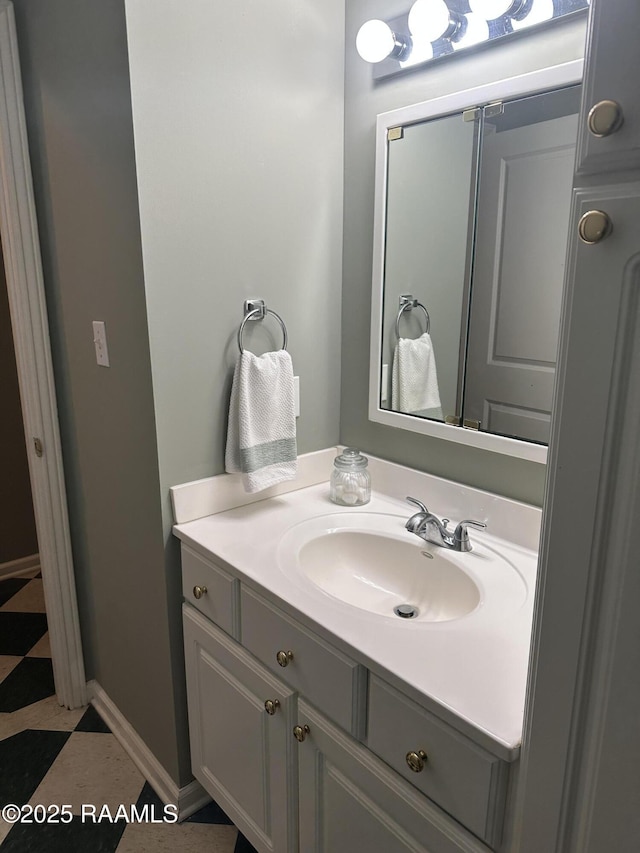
(418, 504)
(478, 524)
(461, 535)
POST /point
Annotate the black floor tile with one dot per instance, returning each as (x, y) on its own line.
(9, 587)
(92, 722)
(30, 681)
(211, 813)
(148, 797)
(242, 845)
(25, 759)
(19, 632)
(74, 837)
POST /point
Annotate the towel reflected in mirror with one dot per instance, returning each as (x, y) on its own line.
(414, 379)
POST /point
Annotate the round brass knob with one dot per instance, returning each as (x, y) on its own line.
(594, 226)
(605, 118)
(300, 732)
(199, 591)
(417, 760)
(284, 658)
(271, 706)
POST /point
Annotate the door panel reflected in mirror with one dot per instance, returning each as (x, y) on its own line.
(477, 214)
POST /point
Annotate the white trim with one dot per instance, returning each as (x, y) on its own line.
(13, 568)
(189, 799)
(225, 491)
(35, 374)
(536, 81)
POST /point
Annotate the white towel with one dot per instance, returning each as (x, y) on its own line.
(414, 381)
(261, 436)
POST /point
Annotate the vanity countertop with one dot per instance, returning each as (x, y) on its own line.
(472, 671)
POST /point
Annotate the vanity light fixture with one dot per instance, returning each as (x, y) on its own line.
(541, 10)
(377, 41)
(476, 31)
(491, 10)
(430, 20)
(433, 29)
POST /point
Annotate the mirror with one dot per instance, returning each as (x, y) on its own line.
(473, 195)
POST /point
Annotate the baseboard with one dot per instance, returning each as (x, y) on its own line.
(189, 799)
(18, 567)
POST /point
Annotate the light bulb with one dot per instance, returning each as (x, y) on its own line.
(375, 41)
(541, 10)
(477, 31)
(492, 9)
(429, 20)
(422, 51)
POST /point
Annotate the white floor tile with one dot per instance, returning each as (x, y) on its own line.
(177, 838)
(91, 769)
(7, 664)
(30, 599)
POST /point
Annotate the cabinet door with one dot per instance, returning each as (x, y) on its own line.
(612, 73)
(350, 801)
(240, 754)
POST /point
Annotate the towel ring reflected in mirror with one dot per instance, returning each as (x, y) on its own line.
(408, 303)
(258, 314)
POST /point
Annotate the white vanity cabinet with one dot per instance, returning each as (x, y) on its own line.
(351, 801)
(309, 752)
(242, 755)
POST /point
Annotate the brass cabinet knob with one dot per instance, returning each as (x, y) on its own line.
(271, 706)
(284, 658)
(594, 226)
(417, 760)
(605, 118)
(199, 591)
(300, 732)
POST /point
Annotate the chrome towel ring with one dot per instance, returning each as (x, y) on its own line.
(408, 303)
(255, 309)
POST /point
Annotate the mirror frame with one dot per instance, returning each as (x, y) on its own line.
(554, 77)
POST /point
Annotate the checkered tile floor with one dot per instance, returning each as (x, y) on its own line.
(52, 757)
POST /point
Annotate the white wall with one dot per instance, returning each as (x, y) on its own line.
(238, 124)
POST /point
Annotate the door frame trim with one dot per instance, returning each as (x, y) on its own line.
(25, 286)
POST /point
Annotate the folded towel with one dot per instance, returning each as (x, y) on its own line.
(414, 381)
(261, 436)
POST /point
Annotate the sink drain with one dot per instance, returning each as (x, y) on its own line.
(406, 611)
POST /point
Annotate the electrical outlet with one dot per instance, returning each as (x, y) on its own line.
(100, 342)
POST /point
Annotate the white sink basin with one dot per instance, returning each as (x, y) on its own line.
(369, 561)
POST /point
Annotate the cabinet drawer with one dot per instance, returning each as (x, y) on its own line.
(325, 676)
(461, 777)
(220, 601)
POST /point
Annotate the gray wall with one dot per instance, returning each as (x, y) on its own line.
(17, 525)
(364, 100)
(238, 125)
(238, 122)
(240, 178)
(74, 63)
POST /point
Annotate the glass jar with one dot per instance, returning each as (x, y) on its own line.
(350, 479)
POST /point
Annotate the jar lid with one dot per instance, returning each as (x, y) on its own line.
(350, 459)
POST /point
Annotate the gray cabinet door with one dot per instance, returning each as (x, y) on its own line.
(242, 756)
(579, 779)
(350, 801)
(612, 74)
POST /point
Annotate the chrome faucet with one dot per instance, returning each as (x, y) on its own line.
(429, 527)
